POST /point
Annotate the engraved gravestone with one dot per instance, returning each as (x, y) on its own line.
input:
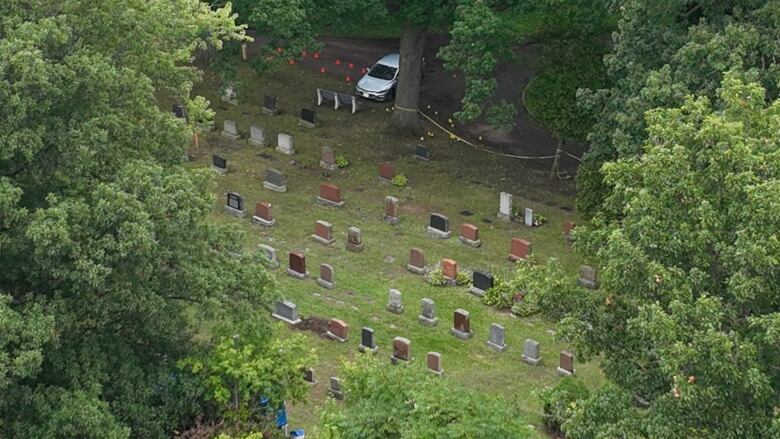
(416, 261)
(427, 315)
(401, 350)
(439, 226)
(326, 277)
(354, 239)
(330, 195)
(422, 152)
(588, 277)
(286, 311)
(433, 361)
(284, 144)
(263, 215)
(308, 118)
(566, 363)
(179, 112)
(338, 330)
(520, 249)
(219, 164)
(334, 389)
(531, 353)
(297, 267)
(257, 136)
(469, 235)
(323, 232)
(268, 256)
(235, 205)
(481, 281)
(529, 217)
(461, 326)
(505, 206)
(328, 159)
(230, 130)
(386, 172)
(497, 341)
(391, 210)
(275, 181)
(367, 342)
(394, 301)
(269, 105)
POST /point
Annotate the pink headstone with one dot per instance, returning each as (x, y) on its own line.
(521, 248)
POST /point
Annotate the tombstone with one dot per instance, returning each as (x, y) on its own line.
(481, 282)
(269, 258)
(449, 271)
(461, 326)
(180, 112)
(416, 261)
(269, 105)
(528, 217)
(402, 351)
(287, 312)
(326, 277)
(395, 301)
(433, 360)
(229, 95)
(348, 100)
(219, 164)
(257, 136)
(328, 159)
(354, 240)
(330, 195)
(284, 144)
(568, 226)
(421, 152)
(588, 277)
(338, 330)
(334, 389)
(263, 215)
(386, 172)
(235, 205)
(497, 339)
(439, 226)
(324, 96)
(566, 363)
(297, 267)
(230, 130)
(531, 353)
(391, 210)
(469, 235)
(308, 118)
(308, 376)
(427, 315)
(367, 342)
(520, 249)
(275, 181)
(323, 232)
(505, 206)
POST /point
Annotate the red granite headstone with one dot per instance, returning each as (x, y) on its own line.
(391, 207)
(462, 321)
(568, 226)
(338, 328)
(434, 361)
(521, 248)
(323, 230)
(386, 171)
(298, 262)
(417, 258)
(401, 349)
(263, 210)
(567, 361)
(330, 192)
(469, 231)
(449, 269)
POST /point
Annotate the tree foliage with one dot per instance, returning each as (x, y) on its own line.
(688, 314)
(383, 401)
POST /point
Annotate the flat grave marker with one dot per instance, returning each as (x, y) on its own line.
(275, 181)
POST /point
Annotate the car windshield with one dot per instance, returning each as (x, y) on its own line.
(382, 71)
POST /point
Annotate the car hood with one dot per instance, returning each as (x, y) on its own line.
(369, 83)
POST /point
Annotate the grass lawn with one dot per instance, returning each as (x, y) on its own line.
(458, 179)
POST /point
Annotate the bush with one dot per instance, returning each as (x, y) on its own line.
(501, 295)
(558, 402)
(399, 180)
(525, 308)
(463, 279)
(435, 277)
(341, 161)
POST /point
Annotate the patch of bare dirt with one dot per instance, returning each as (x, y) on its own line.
(314, 324)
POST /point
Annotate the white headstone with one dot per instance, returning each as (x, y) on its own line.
(505, 206)
(529, 217)
(285, 144)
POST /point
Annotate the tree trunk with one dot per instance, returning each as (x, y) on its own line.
(556, 161)
(407, 97)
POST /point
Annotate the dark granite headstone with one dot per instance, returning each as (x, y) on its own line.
(179, 111)
(482, 280)
(309, 116)
(235, 201)
(422, 152)
(218, 162)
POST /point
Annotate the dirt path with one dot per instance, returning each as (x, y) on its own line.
(442, 92)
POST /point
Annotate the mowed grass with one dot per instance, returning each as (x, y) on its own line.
(458, 179)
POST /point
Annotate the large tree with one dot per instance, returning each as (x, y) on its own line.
(687, 319)
(107, 265)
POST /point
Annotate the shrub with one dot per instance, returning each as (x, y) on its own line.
(463, 279)
(525, 308)
(500, 296)
(559, 401)
(435, 277)
(399, 180)
(341, 161)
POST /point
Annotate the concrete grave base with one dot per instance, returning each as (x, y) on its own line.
(449, 282)
(306, 124)
(325, 284)
(392, 219)
(425, 321)
(329, 203)
(383, 180)
(425, 159)
(231, 136)
(373, 350)
(504, 216)
(415, 270)
(322, 240)
(564, 372)
(438, 373)
(436, 233)
(470, 243)
(514, 258)
(357, 248)
(337, 394)
(461, 335)
(328, 167)
(477, 292)
(258, 142)
(263, 222)
(333, 336)
(588, 284)
(271, 265)
(395, 309)
(295, 274)
(395, 360)
(235, 212)
(496, 347)
(285, 151)
(531, 361)
(273, 187)
(285, 319)
(270, 112)
(221, 171)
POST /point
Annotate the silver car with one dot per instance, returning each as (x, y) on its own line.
(380, 81)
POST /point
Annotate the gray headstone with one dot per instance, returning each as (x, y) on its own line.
(328, 159)
(354, 239)
(497, 338)
(287, 311)
(529, 217)
(588, 277)
(395, 302)
(308, 376)
(531, 353)
(505, 206)
(284, 144)
(229, 95)
(257, 136)
(326, 276)
(335, 388)
(269, 105)
(427, 315)
(275, 181)
(270, 258)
